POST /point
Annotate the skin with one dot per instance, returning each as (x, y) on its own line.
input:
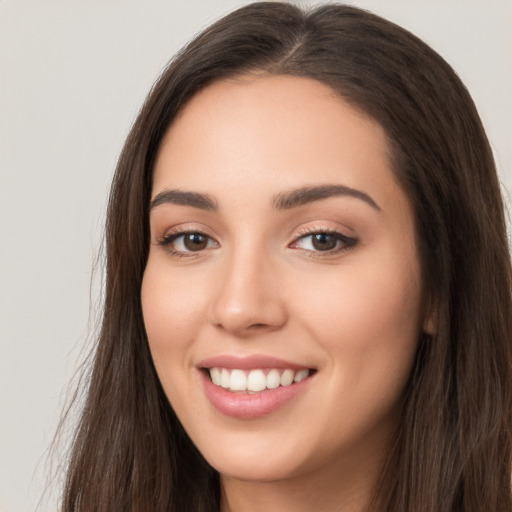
(260, 287)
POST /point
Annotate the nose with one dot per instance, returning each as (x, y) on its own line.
(248, 299)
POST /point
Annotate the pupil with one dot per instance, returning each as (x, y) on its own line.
(195, 242)
(324, 241)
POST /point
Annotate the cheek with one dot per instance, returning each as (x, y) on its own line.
(368, 327)
(171, 308)
(367, 318)
(172, 312)
(373, 290)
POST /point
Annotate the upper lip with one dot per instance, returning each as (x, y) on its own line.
(249, 363)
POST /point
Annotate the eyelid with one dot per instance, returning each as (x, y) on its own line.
(173, 234)
(182, 229)
(176, 236)
(348, 242)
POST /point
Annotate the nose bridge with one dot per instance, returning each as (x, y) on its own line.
(248, 298)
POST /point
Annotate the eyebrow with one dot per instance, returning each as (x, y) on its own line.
(305, 195)
(283, 201)
(180, 197)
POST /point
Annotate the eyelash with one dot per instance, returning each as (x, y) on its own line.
(167, 243)
(347, 242)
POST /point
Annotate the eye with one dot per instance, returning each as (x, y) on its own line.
(188, 242)
(324, 241)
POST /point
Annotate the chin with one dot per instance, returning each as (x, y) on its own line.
(254, 470)
(249, 461)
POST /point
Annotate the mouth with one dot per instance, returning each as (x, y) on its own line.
(256, 380)
(253, 387)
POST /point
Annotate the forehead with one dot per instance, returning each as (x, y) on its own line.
(272, 132)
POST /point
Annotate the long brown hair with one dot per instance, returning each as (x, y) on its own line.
(453, 448)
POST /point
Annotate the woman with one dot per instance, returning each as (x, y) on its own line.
(308, 282)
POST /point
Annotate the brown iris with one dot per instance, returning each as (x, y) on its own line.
(195, 241)
(324, 241)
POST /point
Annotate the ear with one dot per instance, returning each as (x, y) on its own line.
(430, 317)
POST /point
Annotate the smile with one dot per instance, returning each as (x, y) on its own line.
(254, 381)
(253, 387)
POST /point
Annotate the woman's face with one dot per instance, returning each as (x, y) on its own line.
(282, 249)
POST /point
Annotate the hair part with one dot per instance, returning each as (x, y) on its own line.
(453, 448)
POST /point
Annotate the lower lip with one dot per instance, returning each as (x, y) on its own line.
(256, 405)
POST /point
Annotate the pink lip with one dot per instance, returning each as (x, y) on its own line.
(248, 363)
(250, 406)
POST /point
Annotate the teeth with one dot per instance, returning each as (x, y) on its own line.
(215, 375)
(255, 380)
(287, 377)
(273, 379)
(237, 381)
(224, 378)
(300, 375)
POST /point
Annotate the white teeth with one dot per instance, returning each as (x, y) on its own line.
(224, 378)
(255, 380)
(287, 377)
(215, 375)
(238, 381)
(300, 375)
(273, 379)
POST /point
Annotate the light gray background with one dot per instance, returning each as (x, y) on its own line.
(72, 77)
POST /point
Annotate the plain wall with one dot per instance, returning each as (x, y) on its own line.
(72, 78)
